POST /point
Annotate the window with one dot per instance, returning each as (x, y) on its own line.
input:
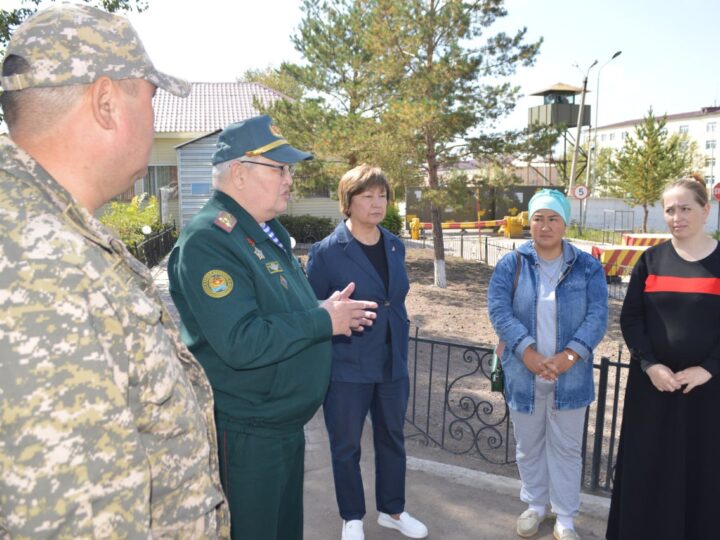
(683, 129)
(709, 161)
(200, 188)
(611, 136)
(159, 176)
(710, 127)
(710, 180)
(602, 137)
(710, 144)
(623, 135)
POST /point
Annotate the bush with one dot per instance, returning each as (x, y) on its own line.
(128, 219)
(393, 221)
(306, 229)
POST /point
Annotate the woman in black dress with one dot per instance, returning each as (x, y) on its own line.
(667, 480)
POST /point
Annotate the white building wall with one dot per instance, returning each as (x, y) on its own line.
(605, 213)
(702, 128)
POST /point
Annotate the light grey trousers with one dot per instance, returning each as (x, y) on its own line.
(549, 453)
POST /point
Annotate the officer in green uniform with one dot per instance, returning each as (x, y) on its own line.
(252, 320)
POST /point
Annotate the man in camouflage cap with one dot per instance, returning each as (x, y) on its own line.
(107, 426)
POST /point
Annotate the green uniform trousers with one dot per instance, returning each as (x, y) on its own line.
(263, 482)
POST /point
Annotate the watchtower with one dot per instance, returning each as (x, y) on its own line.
(560, 110)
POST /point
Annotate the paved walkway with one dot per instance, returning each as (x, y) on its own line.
(454, 502)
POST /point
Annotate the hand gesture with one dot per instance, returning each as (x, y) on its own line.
(663, 378)
(559, 363)
(692, 377)
(348, 315)
(539, 365)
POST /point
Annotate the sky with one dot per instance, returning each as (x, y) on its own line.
(669, 59)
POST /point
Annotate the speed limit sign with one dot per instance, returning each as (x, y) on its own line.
(716, 191)
(581, 192)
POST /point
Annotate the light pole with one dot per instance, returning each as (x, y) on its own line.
(579, 127)
(592, 151)
(597, 109)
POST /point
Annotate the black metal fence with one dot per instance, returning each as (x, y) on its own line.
(152, 250)
(452, 407)
(489, 251)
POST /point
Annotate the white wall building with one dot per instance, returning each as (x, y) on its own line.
(701, 126)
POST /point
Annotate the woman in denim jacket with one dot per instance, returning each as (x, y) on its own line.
(550, 324)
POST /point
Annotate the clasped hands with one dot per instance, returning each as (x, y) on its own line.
(348, 315)
(548, 368)
(665, 380)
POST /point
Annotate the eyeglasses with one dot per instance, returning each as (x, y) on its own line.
(285, 170)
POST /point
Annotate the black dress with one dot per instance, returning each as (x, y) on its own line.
(667, 480)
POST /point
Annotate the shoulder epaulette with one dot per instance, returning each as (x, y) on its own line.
(225, 221)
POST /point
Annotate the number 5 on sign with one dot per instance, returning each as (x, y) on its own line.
(581, 192)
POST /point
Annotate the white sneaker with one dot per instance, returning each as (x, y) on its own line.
(407, 525)
(353, 530)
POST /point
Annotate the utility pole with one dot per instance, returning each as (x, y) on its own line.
(579, 127)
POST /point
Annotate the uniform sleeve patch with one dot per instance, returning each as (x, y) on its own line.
(225, 221)
(217, 284)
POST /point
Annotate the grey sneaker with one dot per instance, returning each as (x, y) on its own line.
(529, 522)
(566, 534)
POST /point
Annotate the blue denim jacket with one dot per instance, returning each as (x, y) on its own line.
(582, 312)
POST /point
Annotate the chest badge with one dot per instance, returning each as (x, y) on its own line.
(217, 284)
(273, 267)
(256, 250)
(283, 282)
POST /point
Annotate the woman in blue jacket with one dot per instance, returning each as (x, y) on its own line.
(369, 368)
(550, 325)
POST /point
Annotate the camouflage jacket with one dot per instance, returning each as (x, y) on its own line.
(107, 426)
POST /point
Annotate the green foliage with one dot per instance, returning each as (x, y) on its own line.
(306, 229)
(404, 84)
(128, 219)
(593, 235)
(276, 79)
(648, 161)
(392, 222)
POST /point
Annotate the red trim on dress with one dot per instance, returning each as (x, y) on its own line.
(655, 283)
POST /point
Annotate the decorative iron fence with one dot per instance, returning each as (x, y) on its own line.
(451, 407)
(488, 251)
(152, 250)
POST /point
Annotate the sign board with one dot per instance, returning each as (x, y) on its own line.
(581, 192)
(716, 191)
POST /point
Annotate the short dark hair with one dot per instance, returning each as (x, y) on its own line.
(358, 180)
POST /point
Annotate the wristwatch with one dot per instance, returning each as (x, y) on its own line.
(571, 356)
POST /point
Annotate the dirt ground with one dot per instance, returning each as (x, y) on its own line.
(459, 312)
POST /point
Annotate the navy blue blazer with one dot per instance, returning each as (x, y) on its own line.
(336, 261)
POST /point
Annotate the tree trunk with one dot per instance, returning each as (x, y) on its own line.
(438, 244)
(440, 279)
(646, 211)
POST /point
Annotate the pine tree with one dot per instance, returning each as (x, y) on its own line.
(451, 85)
(648, 161)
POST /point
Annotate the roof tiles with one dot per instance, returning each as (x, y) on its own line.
(210, 106)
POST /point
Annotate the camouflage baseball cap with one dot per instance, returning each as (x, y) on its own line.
(77, 44)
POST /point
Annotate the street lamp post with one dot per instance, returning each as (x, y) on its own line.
(597, 110)
(579, 127)
(592, 151)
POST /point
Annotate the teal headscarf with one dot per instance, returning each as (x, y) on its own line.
(550, 199)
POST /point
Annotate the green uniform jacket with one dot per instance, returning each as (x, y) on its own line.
(252, 320)
(106, 419)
